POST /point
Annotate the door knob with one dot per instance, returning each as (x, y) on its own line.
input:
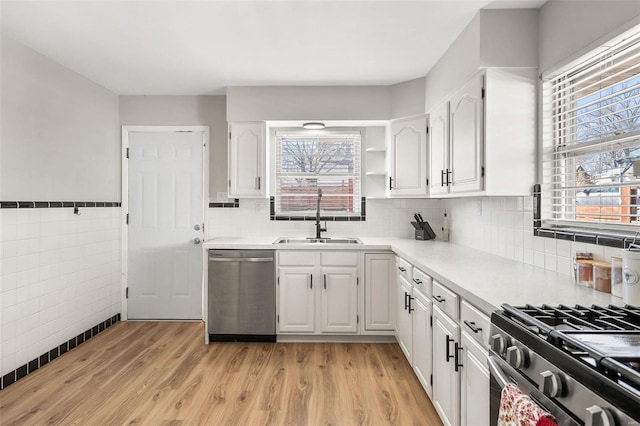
(197, 240)
(196, 227)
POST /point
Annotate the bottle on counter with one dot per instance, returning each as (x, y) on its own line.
(445, 227)
(616, 276)
(602, 276)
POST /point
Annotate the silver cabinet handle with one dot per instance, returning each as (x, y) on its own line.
(240, 259)
(197, 240)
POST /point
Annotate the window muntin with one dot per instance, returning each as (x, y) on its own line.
(591, 157)
(306, 161)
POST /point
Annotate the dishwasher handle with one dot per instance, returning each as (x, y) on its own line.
(240, 259)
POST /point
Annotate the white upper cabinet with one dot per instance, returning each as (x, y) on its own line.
(467, 137)
(408, 157)
(483, 136)
(247, 158)
(439, 146)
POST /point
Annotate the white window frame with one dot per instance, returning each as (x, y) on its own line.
(274, 131)
(558, 149)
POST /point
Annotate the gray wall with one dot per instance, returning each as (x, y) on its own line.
(566, 28)
(407, 98)
(494, 38)
(59, 134)
(185, 111)
(308, 103)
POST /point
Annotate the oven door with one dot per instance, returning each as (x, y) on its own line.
(502, 373)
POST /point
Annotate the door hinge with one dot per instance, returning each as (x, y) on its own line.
(278, 279)
(483, 93)
(203, 228)
(357, 280)
(126, 293)
(127, 152)
(427, 181)
(482, 171)
(431, 379)
(427, 129)
(229, 135)
(278, 318)
(127, 219)
(431, 321)
(357, 319)
(229, 183)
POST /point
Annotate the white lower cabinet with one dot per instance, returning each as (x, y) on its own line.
(380, 291)
(339, 300)
(296, 299)
(317, 292)
(404, 331)
(474, 408)
(422, 311)
(446, 377)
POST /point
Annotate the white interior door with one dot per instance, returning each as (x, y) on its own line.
(165, 219)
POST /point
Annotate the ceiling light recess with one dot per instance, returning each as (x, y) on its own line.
(313, 125)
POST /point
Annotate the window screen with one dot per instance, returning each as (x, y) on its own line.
(591, 157)
(308, 161)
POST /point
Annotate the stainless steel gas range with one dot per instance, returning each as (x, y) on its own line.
(582, 364)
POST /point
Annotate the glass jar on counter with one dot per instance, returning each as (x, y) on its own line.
(602, 276)
(585, 272)
(578, 257)
(616, 276)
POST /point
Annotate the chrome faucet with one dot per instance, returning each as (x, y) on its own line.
(319, 228)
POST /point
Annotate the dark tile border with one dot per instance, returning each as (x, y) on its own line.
(599, 237)
(28, 368)
(231, 205)
(361, 218)
(55, 204)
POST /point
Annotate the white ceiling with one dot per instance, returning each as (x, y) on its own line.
(194, 48)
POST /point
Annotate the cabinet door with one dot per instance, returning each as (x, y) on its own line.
(339, 299)
(422, 349)
(404, 329)
(408, 157)
(475, 382)
(467, 136)
(246, 160)
(446, 380)
(439, 149)
(379, 291)
(296, 299)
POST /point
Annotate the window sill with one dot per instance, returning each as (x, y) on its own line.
(600, 237)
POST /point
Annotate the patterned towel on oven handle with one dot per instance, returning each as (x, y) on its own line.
(518, 409)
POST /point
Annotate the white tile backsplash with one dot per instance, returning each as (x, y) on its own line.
(384, 218)
(60, 275)
(504, 226)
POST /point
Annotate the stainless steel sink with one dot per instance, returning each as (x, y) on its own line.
(287, 240)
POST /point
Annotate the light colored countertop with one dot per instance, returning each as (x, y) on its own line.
(485, 280)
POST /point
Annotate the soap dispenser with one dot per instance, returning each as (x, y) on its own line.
(445, 227)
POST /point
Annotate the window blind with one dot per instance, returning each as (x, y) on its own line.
(308, 161)
(591, 139)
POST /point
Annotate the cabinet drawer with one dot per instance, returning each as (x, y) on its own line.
(339, 258)
(422, 282)
(475, 323)
(297, 258)
(445, 299)
(404, 269)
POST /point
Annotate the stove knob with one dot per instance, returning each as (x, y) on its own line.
(551, 385)
(516, 357)
(598, 416)
(498, 343)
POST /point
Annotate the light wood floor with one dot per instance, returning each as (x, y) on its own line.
(162, 373)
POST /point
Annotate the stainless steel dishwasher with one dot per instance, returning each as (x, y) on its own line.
(242, 296)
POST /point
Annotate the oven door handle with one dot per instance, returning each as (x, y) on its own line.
(497, 372)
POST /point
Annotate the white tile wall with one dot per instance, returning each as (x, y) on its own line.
(384, 218)
(60, 275)
(504, 226)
